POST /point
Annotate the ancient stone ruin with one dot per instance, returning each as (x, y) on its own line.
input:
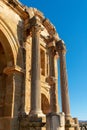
(29, 50)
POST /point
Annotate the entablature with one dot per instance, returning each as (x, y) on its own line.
(48, 33)
(17, 7)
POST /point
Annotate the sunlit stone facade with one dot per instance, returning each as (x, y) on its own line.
(29, 50)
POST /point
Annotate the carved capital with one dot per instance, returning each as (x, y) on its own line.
(35, 25)
(36, 29)
(52, 51)
(60, 47)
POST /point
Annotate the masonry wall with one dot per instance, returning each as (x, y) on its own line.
(15, 69)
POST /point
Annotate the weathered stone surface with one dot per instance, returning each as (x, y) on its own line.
(17, 89)
(55, 121)
(63, 78)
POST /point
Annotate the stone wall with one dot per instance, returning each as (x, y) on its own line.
(15, 65)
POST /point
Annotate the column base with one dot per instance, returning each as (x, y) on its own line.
(71, 124)
(35, 123)
(55, 121)
(68, 117)
(36, 114)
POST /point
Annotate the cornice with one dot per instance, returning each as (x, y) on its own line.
(33, 12)
(49, 26)
(28, 13)
(17, 7)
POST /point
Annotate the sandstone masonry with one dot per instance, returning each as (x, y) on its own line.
(29, 50)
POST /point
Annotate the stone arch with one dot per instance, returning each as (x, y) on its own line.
(12, 47)
(11, 51)
(45, 106)
(2, 80)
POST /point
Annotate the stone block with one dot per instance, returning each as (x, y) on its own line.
(55, 121)
(32, 124)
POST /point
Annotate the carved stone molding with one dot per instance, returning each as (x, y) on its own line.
(13, 69)
(60, 47)
(17, 7)
(35, 25)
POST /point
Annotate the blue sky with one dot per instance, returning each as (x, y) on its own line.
(70, 19)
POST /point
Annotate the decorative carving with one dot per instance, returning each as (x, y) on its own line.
(60, 47)
(50, 28)
(35, 25)
(13, 2)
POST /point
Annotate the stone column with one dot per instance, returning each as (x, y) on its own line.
(35, 70)
(52, 80)
(63, 78)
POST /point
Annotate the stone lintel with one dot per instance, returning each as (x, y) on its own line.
(13, 69)
(50, 28)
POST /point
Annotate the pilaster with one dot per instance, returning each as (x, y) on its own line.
(13, 98)
(13, 90)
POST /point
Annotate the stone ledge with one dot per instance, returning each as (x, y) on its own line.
(12, 69)
(35, 122)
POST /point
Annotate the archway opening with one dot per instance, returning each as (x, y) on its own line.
(6, 60)
(45, 106)
(7, 49)
(3, 64)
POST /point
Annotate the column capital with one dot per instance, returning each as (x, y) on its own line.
(8, 70)
(52, 49)
(35, 25)
(60, 47)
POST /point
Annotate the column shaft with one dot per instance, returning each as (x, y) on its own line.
(35, 73)
(64, 86)
(60, 46)
(53, 90)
